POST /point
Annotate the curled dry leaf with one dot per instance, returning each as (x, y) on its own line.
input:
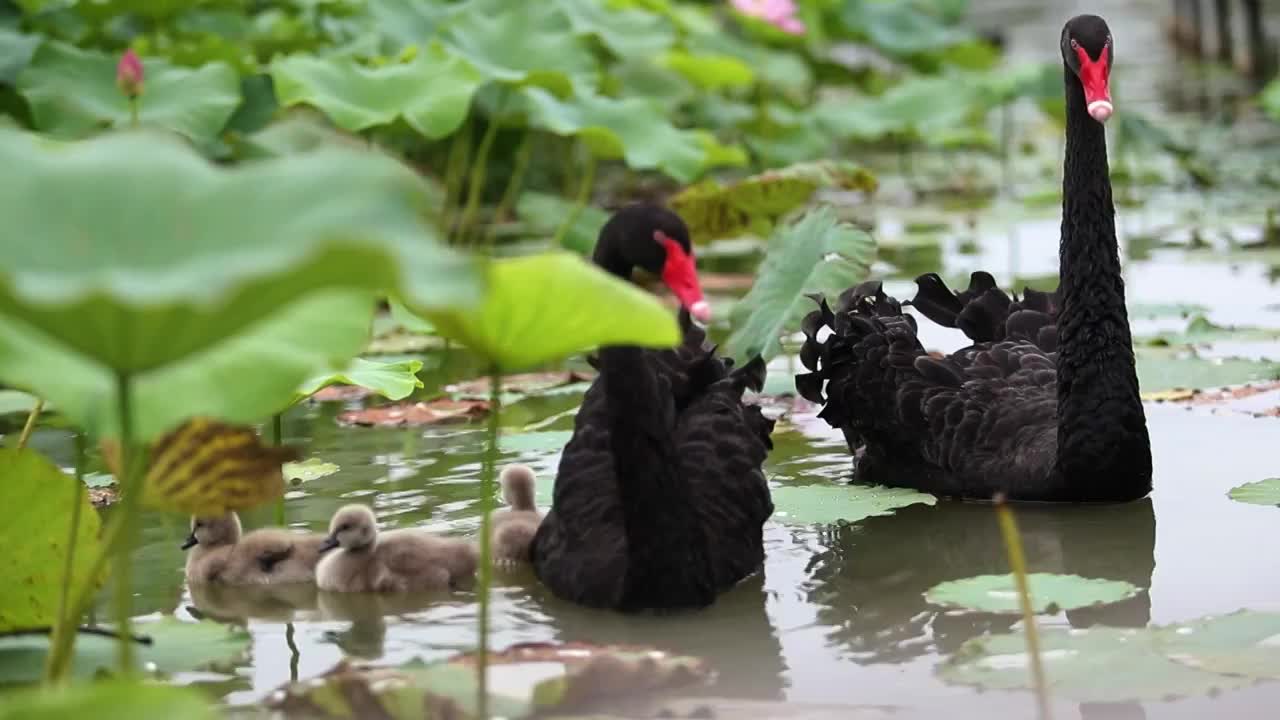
(436, 412)
(207, 467)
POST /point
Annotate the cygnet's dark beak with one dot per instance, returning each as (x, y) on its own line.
(329, 543)
(190, 542)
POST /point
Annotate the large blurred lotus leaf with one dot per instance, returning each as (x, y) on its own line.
(923, 105)
(393, 380)
(1100, 664)
(1162, 369)
(815, 255)
(16, 401)
(175, 647)
(632, 128)
(432, 92)
(148, 255)
(544, 213)
(113, 700)
(900, 28)
(710, 71)
(300, 130)
(1262, 492)
(545, 307)
(1243, 643)
(408, 23)
(524, 43)
(628, 33)
(73, 94)
(1200, 331)
(1049, 593)
(825, 504)
(752, 205)
(34, 536)
(16, 50)
(204, 467)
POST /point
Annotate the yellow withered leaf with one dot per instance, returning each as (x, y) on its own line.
(207, 467)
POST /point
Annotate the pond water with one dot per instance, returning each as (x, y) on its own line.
(838, 618)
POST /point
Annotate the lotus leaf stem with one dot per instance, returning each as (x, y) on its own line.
(1018, 563)
(455, 171)
(580, 201)
(487, 470)
(478, 168)
(31, 423)
(294, 655)
(515, 183)
(131, 495)
(65, 624)
(277, 438)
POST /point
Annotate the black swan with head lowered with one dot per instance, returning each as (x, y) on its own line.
(660, 500)
(1045, 405)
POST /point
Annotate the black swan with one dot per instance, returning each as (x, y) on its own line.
(660, 500)
(1045, 405)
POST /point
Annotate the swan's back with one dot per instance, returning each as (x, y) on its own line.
(581, 549)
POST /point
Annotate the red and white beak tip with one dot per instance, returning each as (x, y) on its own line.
(1100, 110)
(700, 311)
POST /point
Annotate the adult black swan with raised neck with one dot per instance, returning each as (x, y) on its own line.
(1044, 406)
(660, 500)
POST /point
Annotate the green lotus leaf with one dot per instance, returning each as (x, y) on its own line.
(1160, 310)
(815, 255)
(16, 401)
(1243, 643)
(1049, 593)
(35, 539)
(392, 380)
(73, 94)
(923, 105)
(296, 473)
(176, 646)
(149, 256)
(544, 213)
(523, 43)
(628, 33)
(1262, 492)
(899, 28)
(827, 504)
(1200, 331)
(16, 50)
(1270, 99)
(432, 92)
(710, 71)
(633, 129)
(546, 307)
(787, 74)
(115, 700)
(1164, 369)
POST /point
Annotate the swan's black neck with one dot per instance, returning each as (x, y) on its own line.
(666, 548)
(1103, 448)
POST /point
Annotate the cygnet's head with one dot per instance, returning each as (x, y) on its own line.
(353, 527)
(213, 531)
(517, 486)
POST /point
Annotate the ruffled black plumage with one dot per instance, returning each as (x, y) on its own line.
(660, 499)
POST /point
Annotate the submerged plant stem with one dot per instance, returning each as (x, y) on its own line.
(1018, 563)
(31, 423)
(580, 200)
(64, 623)
(515, 183)
(294, 655)
(455, 171)
(277, 438)
(487, 470)
(131, 496)
(478, 169)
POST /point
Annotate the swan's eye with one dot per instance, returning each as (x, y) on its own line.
(1074, 45)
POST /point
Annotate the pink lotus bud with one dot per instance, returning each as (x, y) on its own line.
(778, 13)
(129, 74)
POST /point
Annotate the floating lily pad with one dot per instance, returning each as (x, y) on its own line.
(1160, 369)
(538, 383)
(1200, 331)
(1263, 492)
(175, 646)
(824, 504)
(1049, 593)
(73, 94)
(34, 535)
(207, 467)
(1243, 643)
(436, 412)
(545, 307)
(392, 380)
(114, 700)
(307, 470)
(815, 255)
(432, 92)
(230, 319)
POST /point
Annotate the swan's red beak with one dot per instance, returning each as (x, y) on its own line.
(680, 274)
(1093, 76)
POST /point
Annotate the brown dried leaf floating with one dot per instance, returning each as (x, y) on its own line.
(436, 412)
(207, 467)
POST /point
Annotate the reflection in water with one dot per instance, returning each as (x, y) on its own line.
(870, 584)
(228, 603)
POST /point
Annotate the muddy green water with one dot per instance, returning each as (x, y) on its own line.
(837, 617)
